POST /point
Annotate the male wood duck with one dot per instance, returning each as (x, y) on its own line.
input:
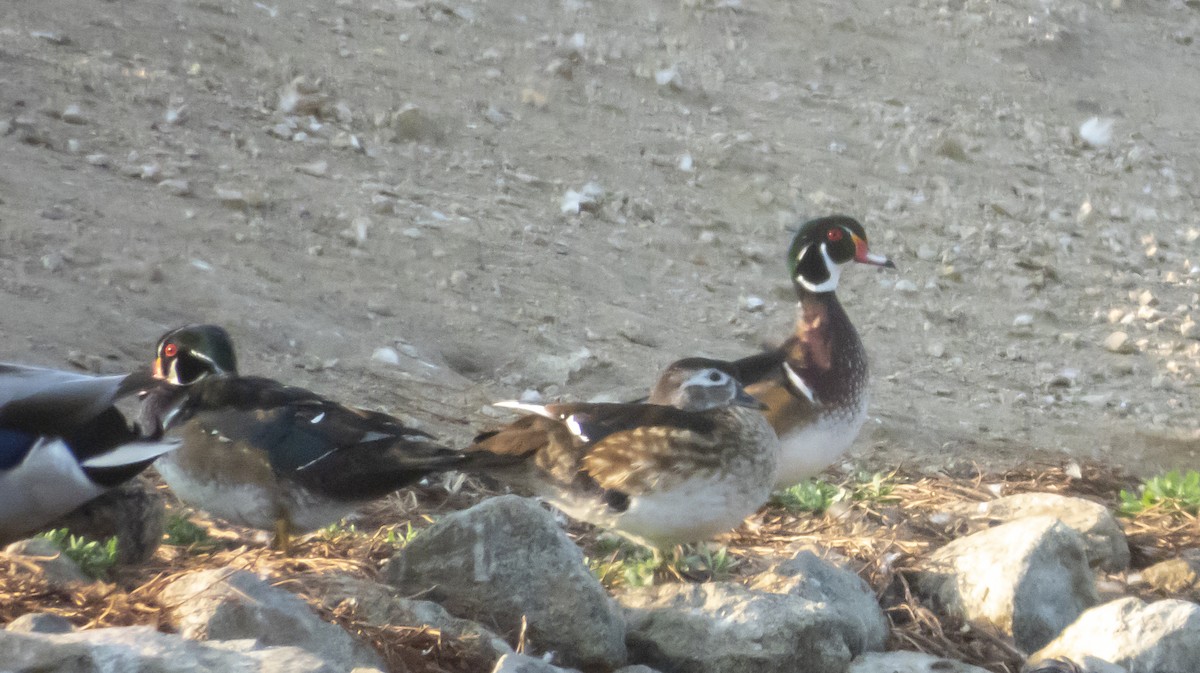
(63, 443)
(693, 461)
(815, 384)
(258, 453)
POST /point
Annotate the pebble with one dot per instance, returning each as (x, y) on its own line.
(73, 114)
(317, 169)
(1189, 329)
(176, 187)
(936, 350)
(387, 355)
(1118, 342)
(98, 159)
(926, 252)
(906, 286)
(753, 304)
(1096, 131)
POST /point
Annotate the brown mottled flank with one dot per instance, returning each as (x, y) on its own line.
(634, 461)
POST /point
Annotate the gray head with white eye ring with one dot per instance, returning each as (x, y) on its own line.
(700, 384)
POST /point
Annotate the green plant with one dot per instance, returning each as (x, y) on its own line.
(183, 532)
(93, 558)
(337, 531)
(874, 487)
(625, 564)
(703, 563)
(810, 495)
(400, 540)
(1175, 490)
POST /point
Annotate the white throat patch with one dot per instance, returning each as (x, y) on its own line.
(835, 272)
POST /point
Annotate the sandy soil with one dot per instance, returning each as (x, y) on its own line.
(331, 178)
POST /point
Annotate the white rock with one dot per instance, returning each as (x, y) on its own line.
(1104, 540)
(317, 169)
(1118, 342)
(753, 304)
(685, 163)
(1096, 131)
(386, 355)
(908, 662)
(73, 114)
(1158, 637)
(176, 187)
(1029, 578)
(906, 286)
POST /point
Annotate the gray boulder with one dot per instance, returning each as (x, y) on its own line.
(726, 628)
(1029, 578)
(863, 624)
(60, 571)
(227, 604)
(381, 605)
(909, 662)
(40, 622)
(1158, 637)
(505, 560)
(1104, 540)
(141, 649)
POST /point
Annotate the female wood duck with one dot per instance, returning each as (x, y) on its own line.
(815, 384)
(63, 443)
(693, 461)
(258, 453)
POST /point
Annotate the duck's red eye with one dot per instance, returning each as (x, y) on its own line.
(170, 350)
(834, 235)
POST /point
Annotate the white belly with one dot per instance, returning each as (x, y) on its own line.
(809, 449)
(695, 510)
(251, 505)
(46, 485)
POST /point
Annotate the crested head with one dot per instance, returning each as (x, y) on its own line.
(191, 353)
(823, 246)
(700, 384)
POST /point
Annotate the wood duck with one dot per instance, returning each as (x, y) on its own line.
(262, 454)
(815, 384)
(62, 444)
(693, 461)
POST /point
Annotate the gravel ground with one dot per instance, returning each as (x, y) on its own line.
(425, 206)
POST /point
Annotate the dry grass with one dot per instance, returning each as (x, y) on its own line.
(882, 541)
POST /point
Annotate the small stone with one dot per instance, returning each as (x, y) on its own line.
(98, 159)
(73, 114)
(1118, 342)
(387, 355)
(906, 286)
(317, 169)
(669, 77)
(60, 571)
(936, 350)
(1096, 131)
(1175, 576)
(686, 164)
(926, 252)
(53, 262)
(1189, 328)
(1023, 321)
(753, 304)
(176, 187)
(459, 278)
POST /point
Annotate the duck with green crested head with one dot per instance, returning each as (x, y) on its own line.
(263, 454)
(815, 385)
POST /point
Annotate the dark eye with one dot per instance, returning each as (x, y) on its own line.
(715, 377)
(170, 350)
(834, 235)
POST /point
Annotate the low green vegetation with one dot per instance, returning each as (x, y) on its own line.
(620, 563)
(183, 532)
(810, 495)
(94, 558)
(400, 538)
(1173, 491)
